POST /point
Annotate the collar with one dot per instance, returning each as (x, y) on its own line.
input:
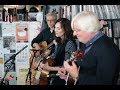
(97, 36)
(51, 30)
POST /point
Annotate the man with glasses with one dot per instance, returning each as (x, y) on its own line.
(46, 34)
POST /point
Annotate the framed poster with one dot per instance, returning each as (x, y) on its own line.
(22, 32)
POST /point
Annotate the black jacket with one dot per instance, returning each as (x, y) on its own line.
(101, 64)
(44, 35)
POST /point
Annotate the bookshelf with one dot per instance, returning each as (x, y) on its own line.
(108, 14)
(12, 13)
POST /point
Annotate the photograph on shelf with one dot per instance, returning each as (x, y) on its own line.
(32, 16)
(20, 17)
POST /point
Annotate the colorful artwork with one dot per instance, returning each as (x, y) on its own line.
(22, 32)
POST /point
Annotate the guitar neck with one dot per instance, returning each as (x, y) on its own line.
(69, 79)
(49, 45)
(72, 58)
(43, 56)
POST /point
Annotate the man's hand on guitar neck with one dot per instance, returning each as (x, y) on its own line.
(71, 69)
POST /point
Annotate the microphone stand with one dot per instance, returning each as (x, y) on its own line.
(29, 72)
(12, 62)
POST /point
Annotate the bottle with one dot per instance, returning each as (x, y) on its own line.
(14, 14)
(26, 15)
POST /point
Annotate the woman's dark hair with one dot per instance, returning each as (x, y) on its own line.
(66, 26)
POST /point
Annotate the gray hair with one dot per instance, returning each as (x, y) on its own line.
(52, 14)
(86, 21)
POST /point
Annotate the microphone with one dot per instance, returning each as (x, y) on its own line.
(53, 75)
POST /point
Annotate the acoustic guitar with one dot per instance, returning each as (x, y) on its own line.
(44, 73)
(34, 57)
(41, 56)
(78, 54)
(36, 54)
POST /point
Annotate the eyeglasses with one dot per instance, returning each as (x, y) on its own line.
(50, 20)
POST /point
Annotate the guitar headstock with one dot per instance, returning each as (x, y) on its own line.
(75, 55)
(79, 54)
(72, 58)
